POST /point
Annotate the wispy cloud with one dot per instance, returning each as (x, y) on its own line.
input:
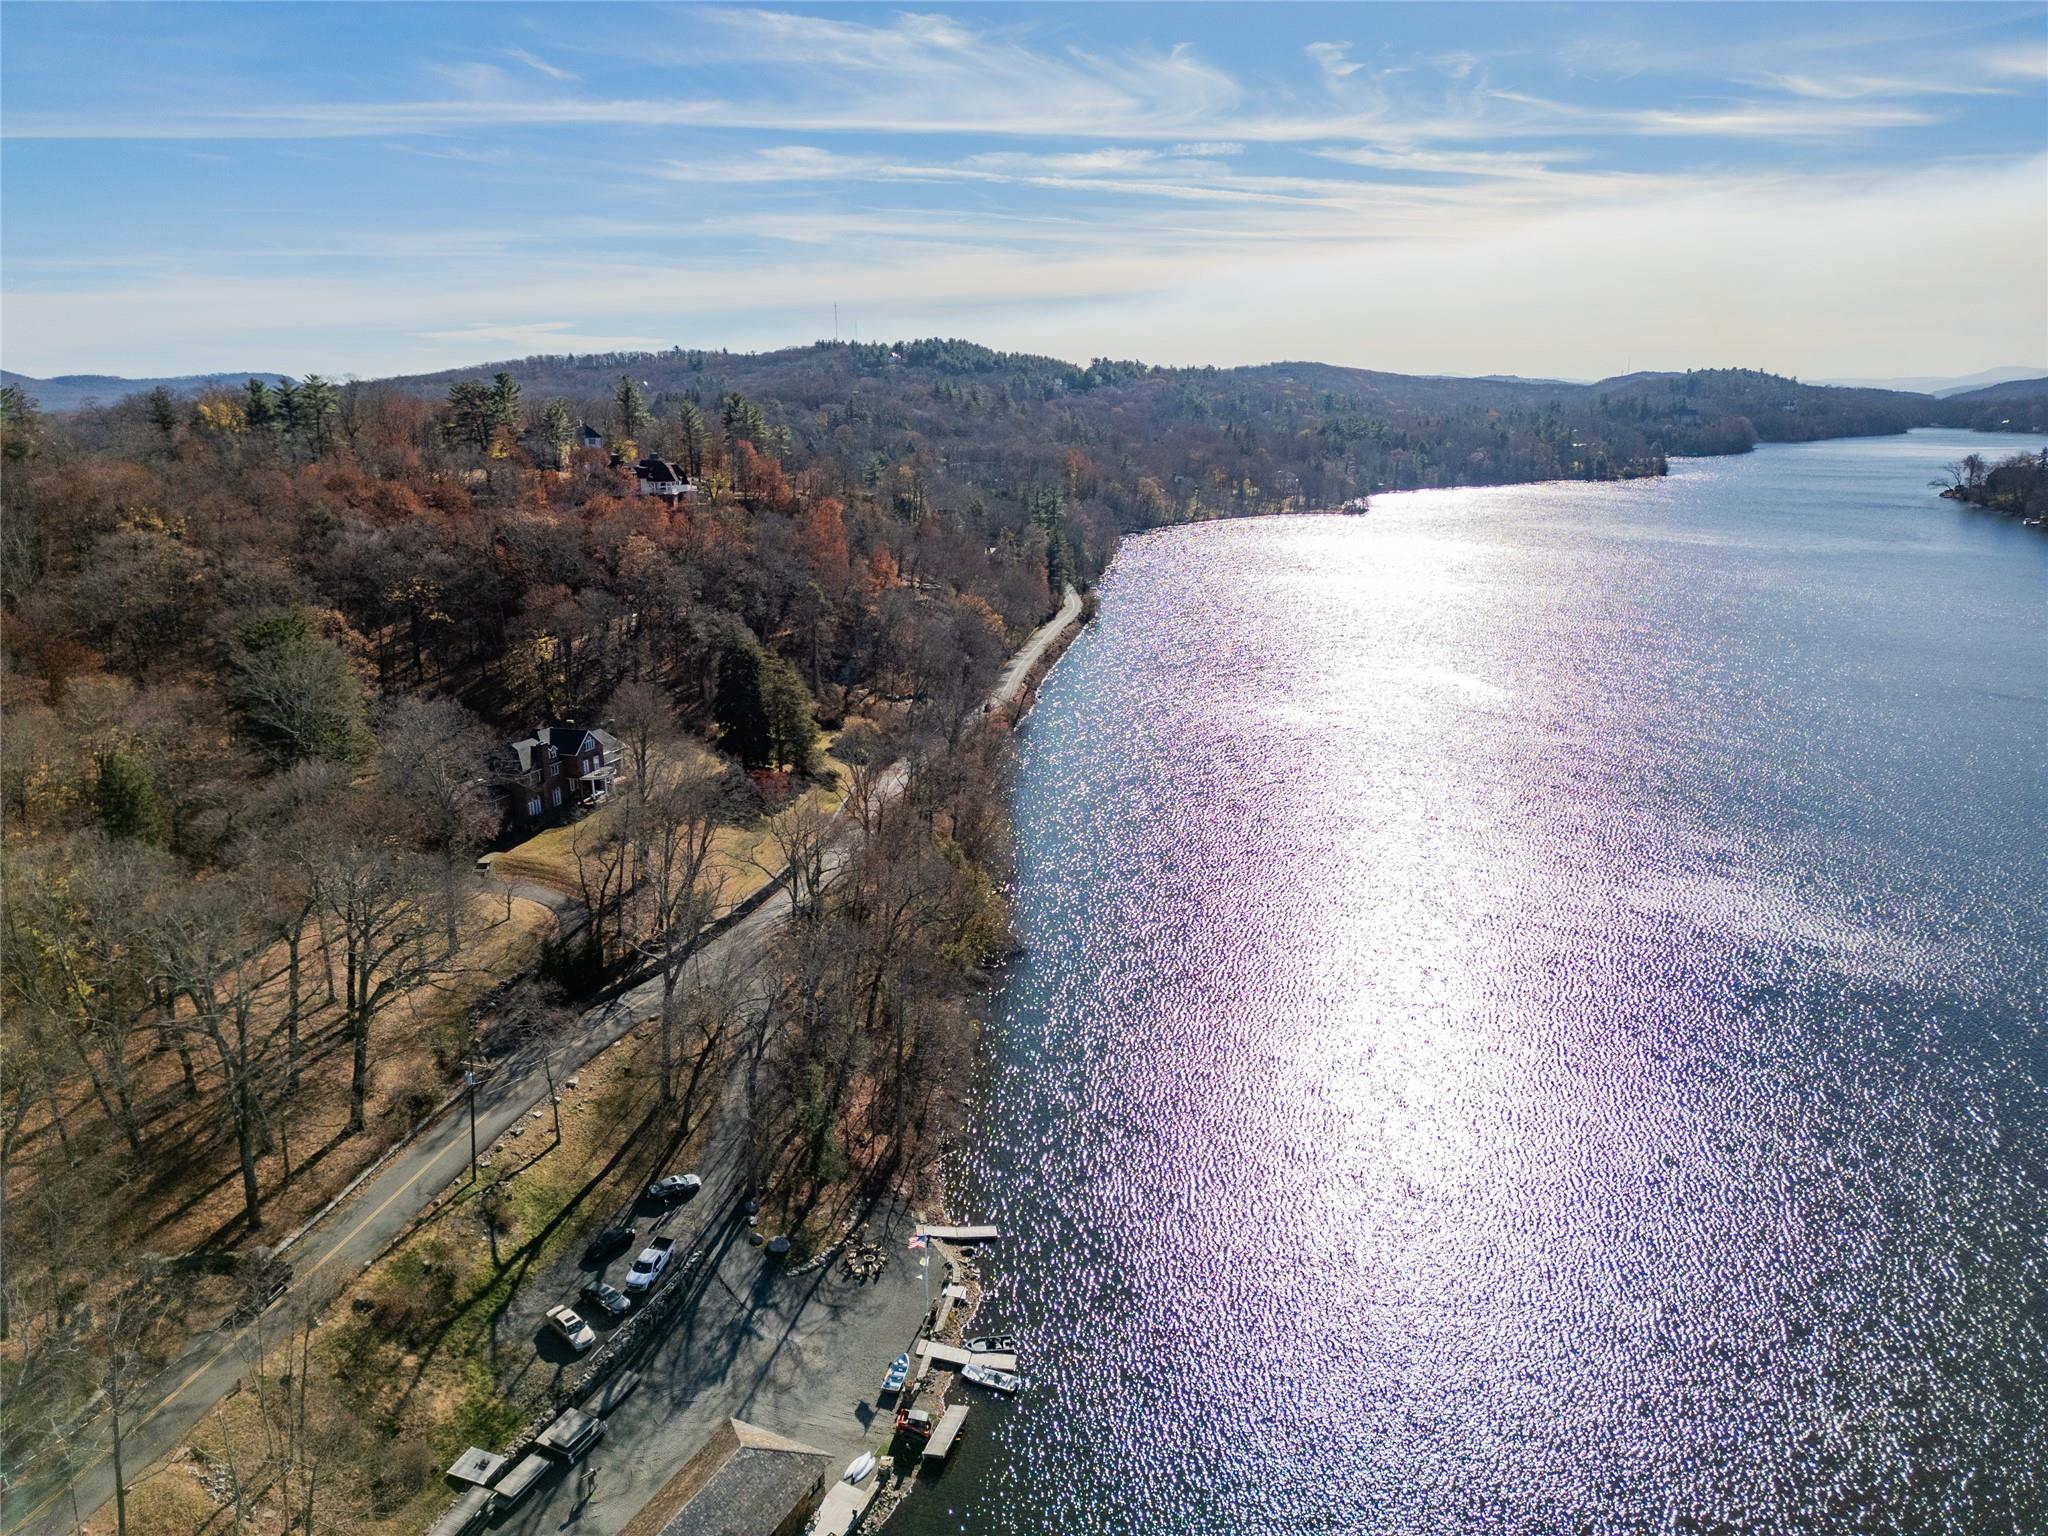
(1334, 60)
(1735, 119)
(531, 61)
(925, 75)
(539, 336)
(1852, 86)
(2024, 62)
(709, 173)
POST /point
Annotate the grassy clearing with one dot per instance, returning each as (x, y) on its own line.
(742, 855)
(432, 1349)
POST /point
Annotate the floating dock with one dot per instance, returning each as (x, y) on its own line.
(953, 1357)
(940, 1445)
(961, 1234)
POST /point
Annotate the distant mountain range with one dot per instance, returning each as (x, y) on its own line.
(68, 391)
(1974, 384)
(1780, 409)
(2008, 389)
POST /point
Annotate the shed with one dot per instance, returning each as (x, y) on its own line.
(476, 1465)
(571, 1436)
(470, 1513)
(518, 1483)
(745, 1481)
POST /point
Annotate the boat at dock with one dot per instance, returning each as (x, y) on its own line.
(996, 1381)
(993, 1344)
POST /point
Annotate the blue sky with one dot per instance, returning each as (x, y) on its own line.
(1832, 191)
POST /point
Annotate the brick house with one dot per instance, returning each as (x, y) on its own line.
(557, 768)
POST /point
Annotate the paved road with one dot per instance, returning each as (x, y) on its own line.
(1011, 683)
(327, 1259)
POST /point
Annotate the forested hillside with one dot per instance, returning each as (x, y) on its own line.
(952, 422)
(259, 649)
(2018, 405)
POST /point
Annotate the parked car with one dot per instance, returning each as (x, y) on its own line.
(571, 1327)
(609, 1243)
(608, 1299)
(651, 1264)
(674, 1186)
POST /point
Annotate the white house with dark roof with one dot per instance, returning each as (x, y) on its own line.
(659, 477)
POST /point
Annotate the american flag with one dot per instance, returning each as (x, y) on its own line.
(917, 1239)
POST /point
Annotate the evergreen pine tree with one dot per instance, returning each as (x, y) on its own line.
(740, 705)
(126, 802)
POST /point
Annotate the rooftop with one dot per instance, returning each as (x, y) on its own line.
(745, 1481)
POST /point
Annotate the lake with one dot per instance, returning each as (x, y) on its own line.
(1532, 1020)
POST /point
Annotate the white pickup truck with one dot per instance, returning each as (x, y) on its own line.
(651, 1265)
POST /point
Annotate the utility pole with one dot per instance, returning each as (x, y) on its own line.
(469, 1081)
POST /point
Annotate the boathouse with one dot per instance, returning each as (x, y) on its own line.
(746, 1481)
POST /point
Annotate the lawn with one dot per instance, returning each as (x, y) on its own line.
(743, 855)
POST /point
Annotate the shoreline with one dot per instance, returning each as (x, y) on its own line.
(956, 1267)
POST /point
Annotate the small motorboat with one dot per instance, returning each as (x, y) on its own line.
(993, 1344)
(858, 1469)
(899, 1372)
(995, 1381)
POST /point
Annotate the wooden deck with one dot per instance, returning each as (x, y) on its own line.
(941, 1443)
(961, 1234)
(948, 1299)
(843, 1506)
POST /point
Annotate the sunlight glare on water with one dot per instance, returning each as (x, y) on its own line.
(1532, 1022)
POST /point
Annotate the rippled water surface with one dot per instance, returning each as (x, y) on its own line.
(1533, 1022)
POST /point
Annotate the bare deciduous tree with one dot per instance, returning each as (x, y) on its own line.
(381, 902)
(432, 752)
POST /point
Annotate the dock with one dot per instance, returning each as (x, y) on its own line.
(953, 1357)
(961, 1234)
(950, 1297)
(844, 1504)
(941, 1443)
